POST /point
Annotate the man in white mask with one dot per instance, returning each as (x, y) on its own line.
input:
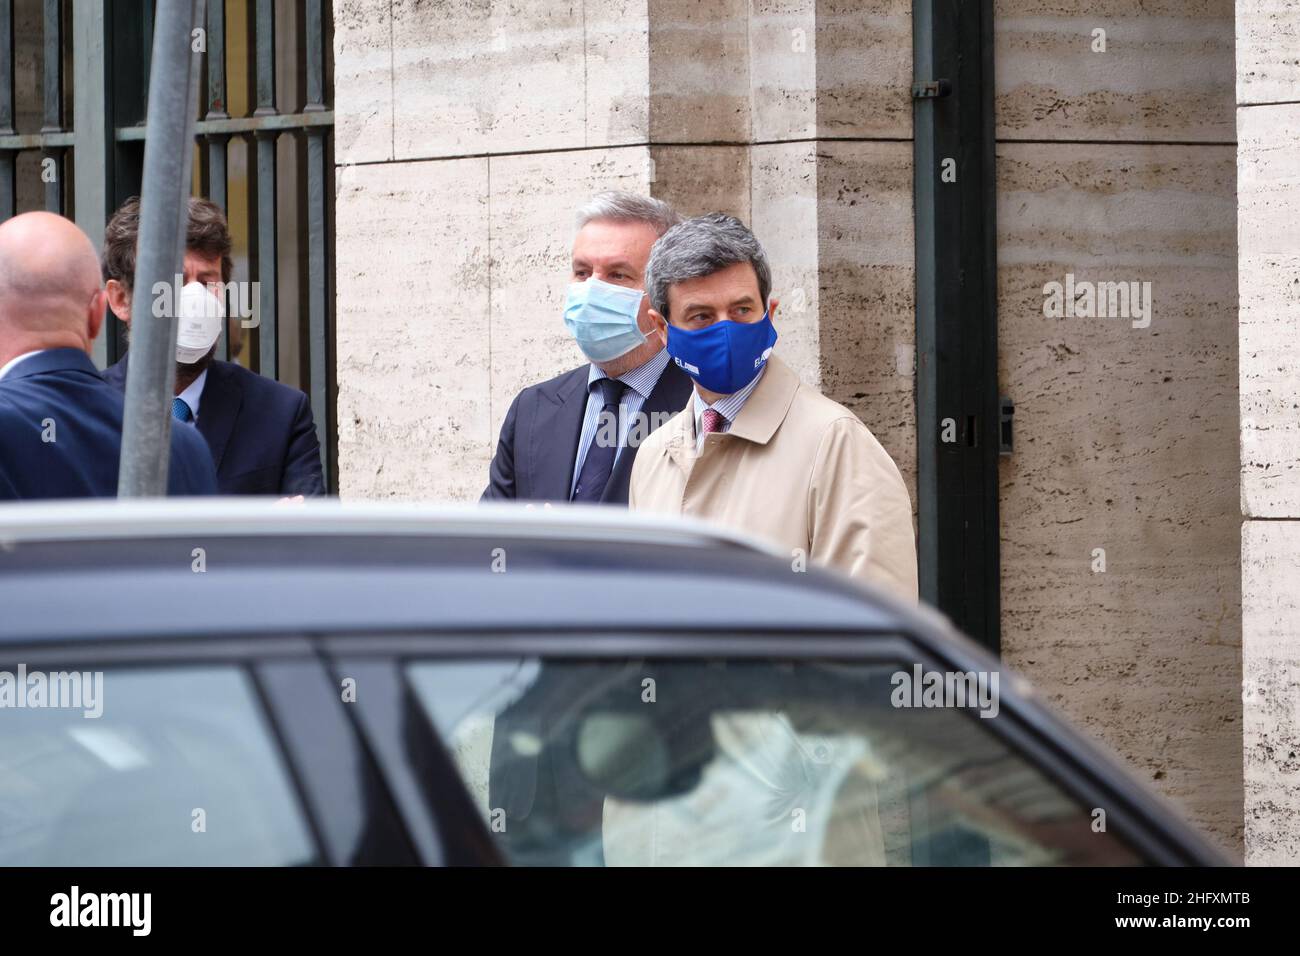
(574, 437)
(260, 432)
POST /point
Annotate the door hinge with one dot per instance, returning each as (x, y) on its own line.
(931, 89)
(1006, 436)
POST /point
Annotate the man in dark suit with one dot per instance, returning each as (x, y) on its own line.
(60, 422)
(575, 437)
(260, 432)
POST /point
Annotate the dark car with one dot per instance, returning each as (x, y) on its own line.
(221, 682)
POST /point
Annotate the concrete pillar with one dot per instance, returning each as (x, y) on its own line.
(1268, 201)
(1115, 163)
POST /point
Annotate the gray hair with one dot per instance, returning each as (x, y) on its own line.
(700, 247)
(615, 206)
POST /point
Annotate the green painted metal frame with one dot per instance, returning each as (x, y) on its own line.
(957, 392)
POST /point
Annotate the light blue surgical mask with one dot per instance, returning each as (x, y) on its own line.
(601, 317)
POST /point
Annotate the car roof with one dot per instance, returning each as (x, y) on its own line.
(331, 566)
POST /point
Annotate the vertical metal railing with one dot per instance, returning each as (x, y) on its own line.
(216, 110)
(268, 330)
(8, 156)
(318, 337)
(53, 96)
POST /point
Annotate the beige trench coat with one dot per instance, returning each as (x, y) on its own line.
(805, 473)
(795, 468)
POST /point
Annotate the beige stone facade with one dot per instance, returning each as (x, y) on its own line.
(468, 132)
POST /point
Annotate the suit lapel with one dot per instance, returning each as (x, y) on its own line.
(218, 409)
(554, 437)
(668, 396)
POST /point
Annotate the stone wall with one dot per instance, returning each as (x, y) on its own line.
(1118, 166)
(1268, 236)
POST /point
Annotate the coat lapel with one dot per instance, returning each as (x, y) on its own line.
(554, 437)
(671, 392)
(218, 409)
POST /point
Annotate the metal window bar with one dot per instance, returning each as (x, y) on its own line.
(217, 143)
(9, 144)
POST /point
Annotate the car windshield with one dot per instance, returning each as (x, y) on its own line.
(680, 762)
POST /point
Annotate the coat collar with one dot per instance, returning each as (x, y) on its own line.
(762, 414)
(767, 406)
(53, 360)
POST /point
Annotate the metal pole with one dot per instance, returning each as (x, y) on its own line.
(8, 158)
(92, 146)
(957, 409)
(168, 158)
(54, 194)
(268, 334)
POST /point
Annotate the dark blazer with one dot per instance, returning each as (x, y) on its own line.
(61, 434)
(260, 432)
(539, 438)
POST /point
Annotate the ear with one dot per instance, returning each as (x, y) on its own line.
(119, 300)
(660, 327)
(95, 317)
(772, 304)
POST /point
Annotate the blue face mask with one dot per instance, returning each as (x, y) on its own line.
(601, 317)
(723, 357)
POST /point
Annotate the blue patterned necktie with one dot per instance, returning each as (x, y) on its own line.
(180, 410)
(600, 454)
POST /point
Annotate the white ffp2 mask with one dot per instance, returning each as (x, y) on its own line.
(198, 326)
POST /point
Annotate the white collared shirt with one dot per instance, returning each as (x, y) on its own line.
(193, 394)
(728, 406)
(8, 366)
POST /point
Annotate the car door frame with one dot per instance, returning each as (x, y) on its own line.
(322, 753)
(1145, 825)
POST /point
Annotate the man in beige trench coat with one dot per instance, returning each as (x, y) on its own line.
(759, 451)
(755, 448)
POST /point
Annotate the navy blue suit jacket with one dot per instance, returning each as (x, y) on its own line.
(260, 432)
(539, 438)
(61, 434)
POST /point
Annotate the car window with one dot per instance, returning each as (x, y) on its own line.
(178, 768)
(742, 763)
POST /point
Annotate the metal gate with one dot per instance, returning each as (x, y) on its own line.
(271, 170)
